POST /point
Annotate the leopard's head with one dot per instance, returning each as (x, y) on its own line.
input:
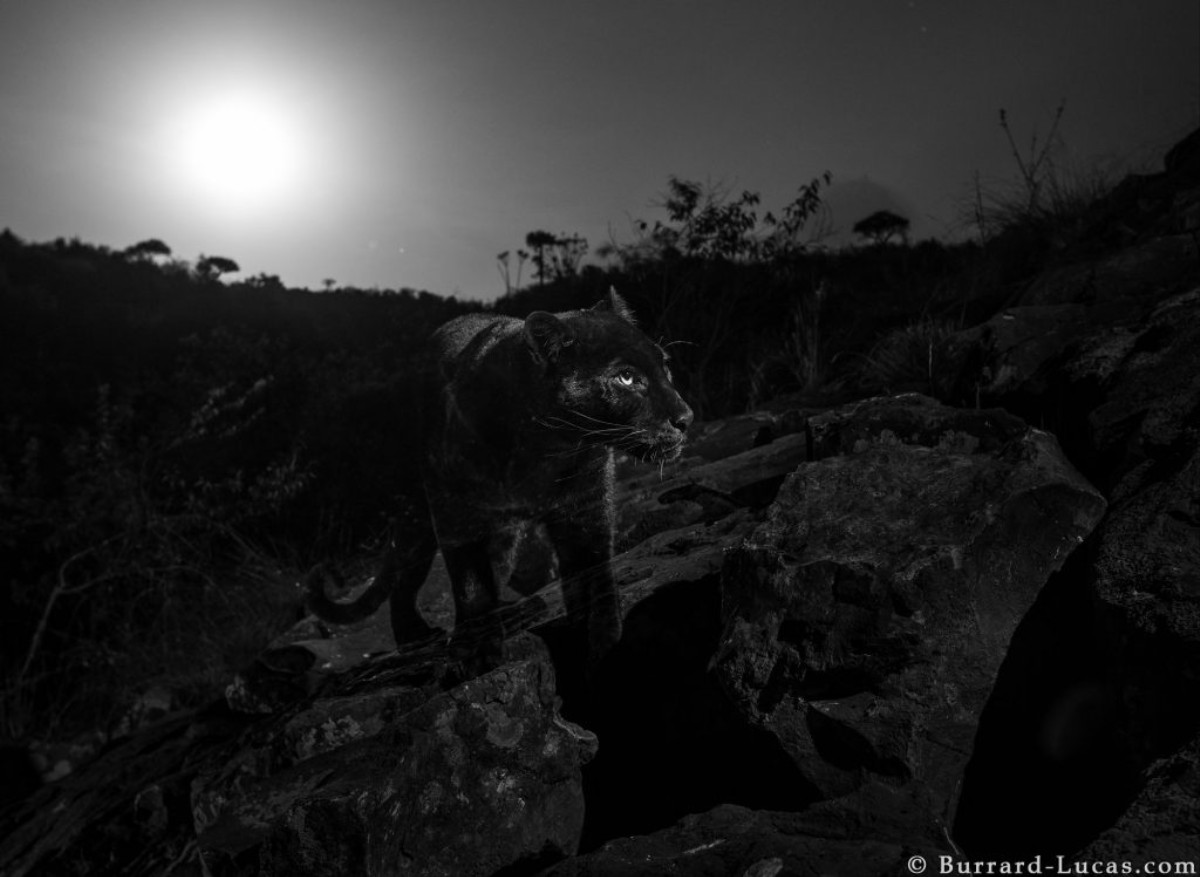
(608, 382)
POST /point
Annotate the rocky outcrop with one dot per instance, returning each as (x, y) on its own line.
(1140, 249)
(337, 753)
(866, 618)
(889, 630)
(1163, 822)
(1105, 679)
(810, 660)
(386, 779)
(1101, 691)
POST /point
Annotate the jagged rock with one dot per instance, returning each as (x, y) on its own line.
(867, 617)
(1121, 283)
(384, 772)
(127, 811)
(877, 830)
(718, 439)
(704, 491)
(394, 781)
(912, 419)
(1107, 678)
(1139, 250)
(998, 355)
(1163, 822)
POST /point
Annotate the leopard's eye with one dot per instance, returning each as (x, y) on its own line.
(626, 377)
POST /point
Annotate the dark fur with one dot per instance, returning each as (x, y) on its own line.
(520, 421)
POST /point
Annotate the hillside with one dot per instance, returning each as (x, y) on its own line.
(863, 623)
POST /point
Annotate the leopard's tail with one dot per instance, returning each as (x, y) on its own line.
(401, 573)
(345, 613)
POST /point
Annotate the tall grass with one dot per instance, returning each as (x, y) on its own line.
(1050, 196)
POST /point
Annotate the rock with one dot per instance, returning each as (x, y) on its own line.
(866, 618)
(1104, 680)
(1128, 281)
(386, 771)
(877, 830)
(1138, 250)
(1008, 349)
(1136, 394)
(912, 419)
(468, 781)
(1163, 822)
(704, 492)
(126, 810)
(719, 439)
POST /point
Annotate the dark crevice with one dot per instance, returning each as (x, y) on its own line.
(531, 865)
(670, 742)
(844, 748)
(837, 682)
(760, 494)
(1053, 764)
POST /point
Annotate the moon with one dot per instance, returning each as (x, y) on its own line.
(238, 152)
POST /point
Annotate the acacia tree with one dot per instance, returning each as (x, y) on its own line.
(881, 226)
(212, 267)
(147, 249)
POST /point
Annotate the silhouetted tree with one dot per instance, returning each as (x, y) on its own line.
(522, 258)
(212, 267)
(263, 280)
(709, 224)
(540, 242)
(147, 249)
(790, 233)
(503, 268)
(704, 222)
(568, 252)
(881, 226)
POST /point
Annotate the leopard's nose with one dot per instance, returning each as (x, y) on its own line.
(683, 419)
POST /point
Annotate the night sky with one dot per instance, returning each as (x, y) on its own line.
(400, 143)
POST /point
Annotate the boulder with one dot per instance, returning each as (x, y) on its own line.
(390, 780)
(1163, 822)
(865, 620)
(998, 355)
(1127, 281)
(1104, 682)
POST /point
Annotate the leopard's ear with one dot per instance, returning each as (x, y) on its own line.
(546, 336)
(613, 303)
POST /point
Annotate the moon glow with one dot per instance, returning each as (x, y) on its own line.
(236, 153)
